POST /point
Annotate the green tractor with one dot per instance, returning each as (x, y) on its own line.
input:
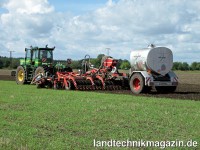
(37, 60)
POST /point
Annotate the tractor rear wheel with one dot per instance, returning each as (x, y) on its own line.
(20, 75)
(137, 83)
(39, 70)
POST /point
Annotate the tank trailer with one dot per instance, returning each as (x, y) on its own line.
(152, 67)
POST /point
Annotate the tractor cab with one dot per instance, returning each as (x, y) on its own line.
(37, 60)
(35, 56)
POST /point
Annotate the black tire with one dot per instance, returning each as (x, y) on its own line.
(39, 70)
(137, 83)
(69, 85)
(20, 75)
(165, 89)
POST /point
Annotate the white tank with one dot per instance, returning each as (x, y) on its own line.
(154, 59)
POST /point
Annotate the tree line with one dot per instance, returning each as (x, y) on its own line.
(184, 66)
(13, 63)
(6, 62)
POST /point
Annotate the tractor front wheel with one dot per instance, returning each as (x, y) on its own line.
(137, 83)
(20, 75)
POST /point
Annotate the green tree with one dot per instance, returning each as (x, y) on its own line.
(1, 64)
(15, 63)
(194, 66)
(76, 64)
(185, 66)
(125, 65)
(175, 65)
(98, 60)
(119, 63)
(180, 66)
(7, 63)
(198, 66)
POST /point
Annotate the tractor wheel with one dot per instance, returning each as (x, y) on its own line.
(137, 83)
(69, 85)
(165, 89)
(20, 75)
(39, 70)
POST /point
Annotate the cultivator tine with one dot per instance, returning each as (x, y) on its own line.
(118, 87)
(98, 88)
(111, 88)
(106, 88)
(92, 87)
(80, 87)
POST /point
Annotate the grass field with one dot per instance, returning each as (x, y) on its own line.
(48, 119)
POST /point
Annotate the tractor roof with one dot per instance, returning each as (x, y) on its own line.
(41, 48)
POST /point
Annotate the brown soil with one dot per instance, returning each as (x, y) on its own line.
(7, 77)
(188, 88)
(183, 91)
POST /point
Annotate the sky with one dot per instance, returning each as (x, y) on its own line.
(80, 27)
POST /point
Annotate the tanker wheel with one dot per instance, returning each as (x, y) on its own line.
(137, 83)
(68, 87)
(20, 75)
(165, 89)
(39, 70)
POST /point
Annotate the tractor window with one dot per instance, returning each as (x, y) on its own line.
(33, 55)
(36, 54)
(49, 54)
(45, 54)
(28, 53)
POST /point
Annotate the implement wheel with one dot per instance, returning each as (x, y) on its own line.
(20, 75)
(137, 83)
